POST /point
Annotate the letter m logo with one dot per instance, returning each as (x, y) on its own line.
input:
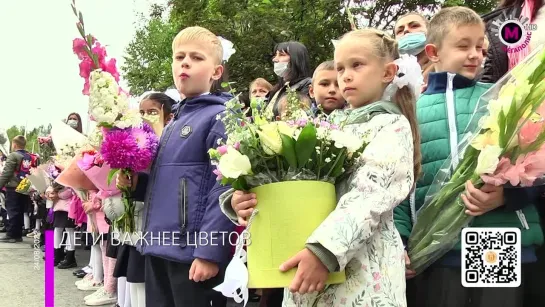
(511, 33)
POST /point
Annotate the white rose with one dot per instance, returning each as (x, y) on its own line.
(233, 164)
(488, 160)
(344, 139)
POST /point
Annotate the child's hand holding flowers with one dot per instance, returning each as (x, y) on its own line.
(481, 201)
(243, 203)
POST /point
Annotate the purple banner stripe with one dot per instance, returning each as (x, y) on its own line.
(49, 269)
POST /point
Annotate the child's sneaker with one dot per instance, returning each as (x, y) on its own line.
(101, 298)
(33, 234)
(89, 285)
(97, 292)
(87, 277)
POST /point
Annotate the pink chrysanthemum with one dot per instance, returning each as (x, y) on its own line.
(131, 148)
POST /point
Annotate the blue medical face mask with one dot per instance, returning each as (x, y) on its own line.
(412, 43)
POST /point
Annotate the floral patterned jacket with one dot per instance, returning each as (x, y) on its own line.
(361, 231)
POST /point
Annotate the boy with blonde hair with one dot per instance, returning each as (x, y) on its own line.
(184, 248)
(456, 37)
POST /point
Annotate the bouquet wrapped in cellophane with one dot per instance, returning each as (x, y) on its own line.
(504, 144)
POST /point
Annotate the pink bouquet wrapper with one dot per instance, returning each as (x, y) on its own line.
(73, 177)
(99, 177)
(75, 210)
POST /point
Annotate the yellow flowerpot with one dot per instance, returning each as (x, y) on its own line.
(289, 212)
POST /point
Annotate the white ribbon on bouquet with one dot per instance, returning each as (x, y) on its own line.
(235, 284)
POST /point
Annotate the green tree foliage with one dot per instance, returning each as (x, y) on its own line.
(147, 63)
(255, 27)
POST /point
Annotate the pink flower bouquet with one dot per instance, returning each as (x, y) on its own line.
(73, 177)
(94, 167)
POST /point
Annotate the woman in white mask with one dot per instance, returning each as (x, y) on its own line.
(410, 32)
(74, 121)
(292, 66)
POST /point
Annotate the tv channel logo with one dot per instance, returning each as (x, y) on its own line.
(515, 34)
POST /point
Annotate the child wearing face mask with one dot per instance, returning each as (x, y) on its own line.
(155, 107)
(325, 88)
(362, 226)
(456, 38)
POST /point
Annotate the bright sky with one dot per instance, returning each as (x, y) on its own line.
(40, 79)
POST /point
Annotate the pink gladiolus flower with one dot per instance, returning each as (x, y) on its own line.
(78, 46)
(525, 171)
(110, 66)
(86, 88)
(237, 145)
(499, 176)
(99, 51)
(222, 150)
(529, 133)
(85, 68)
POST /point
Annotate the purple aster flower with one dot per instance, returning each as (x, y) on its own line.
(131, 148)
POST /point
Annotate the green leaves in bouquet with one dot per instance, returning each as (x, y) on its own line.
(111, 175)
(288, 150)
(240, 184)
(305, 145)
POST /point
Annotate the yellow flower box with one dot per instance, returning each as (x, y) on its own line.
(289, 212)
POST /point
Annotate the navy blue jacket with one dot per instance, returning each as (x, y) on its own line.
(182, 219)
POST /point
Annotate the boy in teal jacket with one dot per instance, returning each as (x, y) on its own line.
(455, 42)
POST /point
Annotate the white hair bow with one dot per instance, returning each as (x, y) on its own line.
(228, 48)
(409, 74)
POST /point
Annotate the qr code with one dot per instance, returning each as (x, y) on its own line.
(491, 257)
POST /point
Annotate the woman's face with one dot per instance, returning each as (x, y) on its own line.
(73, 117)
(281, 57)
(410, 24)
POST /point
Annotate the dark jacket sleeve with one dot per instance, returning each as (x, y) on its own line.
(517, 198)
(10, 166)
(139, 193)
(213, 243)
